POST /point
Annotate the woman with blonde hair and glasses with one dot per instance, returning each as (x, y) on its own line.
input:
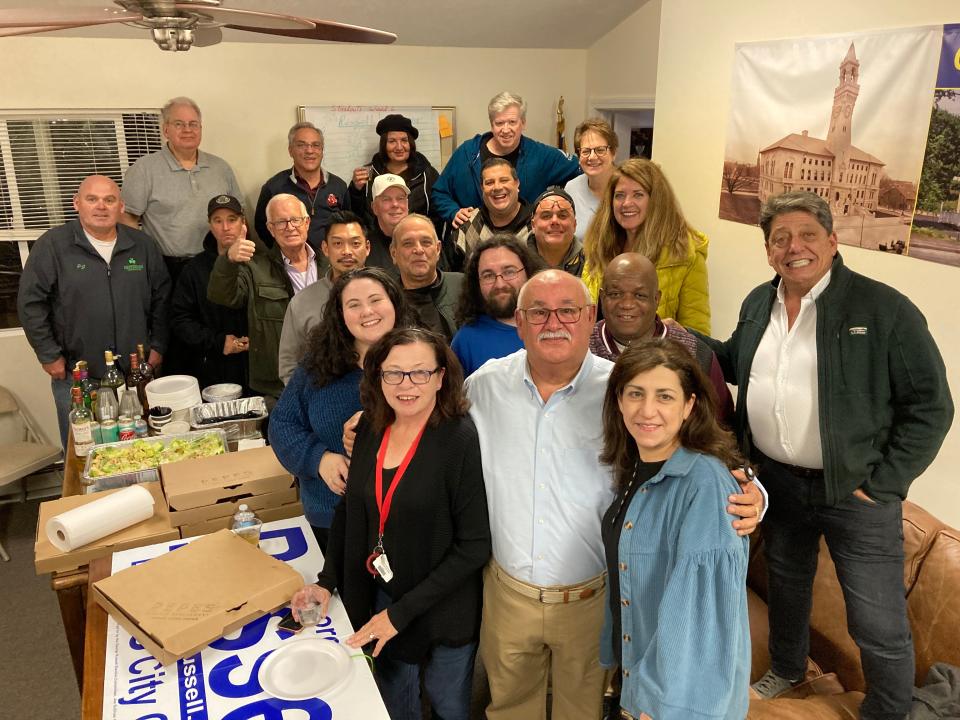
(640, 213)
(595, 143)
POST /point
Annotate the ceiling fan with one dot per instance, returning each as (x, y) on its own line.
(182, 24)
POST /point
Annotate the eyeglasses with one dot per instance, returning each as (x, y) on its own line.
(301, 146)
(540, 316)
(180, 125)
(489, 277)
(417, 377)
(600, 151)
(280, 224)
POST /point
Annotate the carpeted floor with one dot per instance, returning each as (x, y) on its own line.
(36, 675)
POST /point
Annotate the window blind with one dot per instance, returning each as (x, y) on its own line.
(44, 155)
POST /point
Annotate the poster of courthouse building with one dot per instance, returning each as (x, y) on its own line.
(845, 117)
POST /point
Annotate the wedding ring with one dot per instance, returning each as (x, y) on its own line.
(372, 636)
(757, 509)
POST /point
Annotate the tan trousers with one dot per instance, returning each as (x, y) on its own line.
(522, 640)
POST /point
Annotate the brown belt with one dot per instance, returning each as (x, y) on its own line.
(550, 595)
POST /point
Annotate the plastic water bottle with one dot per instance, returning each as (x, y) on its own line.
(247, 525)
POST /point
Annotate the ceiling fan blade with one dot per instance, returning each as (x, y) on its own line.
(9, 32)
(205, 37)
(328, 30)
(64, 17)
(252, 18)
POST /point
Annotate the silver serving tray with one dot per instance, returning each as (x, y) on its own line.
(109, 482)
(234, 429)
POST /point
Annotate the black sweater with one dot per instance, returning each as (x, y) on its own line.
(437, 539)
(201, 325)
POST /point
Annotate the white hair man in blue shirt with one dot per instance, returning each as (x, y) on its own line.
(538, 413)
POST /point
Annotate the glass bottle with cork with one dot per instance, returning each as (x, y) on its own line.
(112, 379)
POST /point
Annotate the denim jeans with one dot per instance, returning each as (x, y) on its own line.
(866, 543)
(62, 399)
(447, 678)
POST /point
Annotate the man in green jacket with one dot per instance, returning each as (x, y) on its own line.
(264, 280)
(843, 401)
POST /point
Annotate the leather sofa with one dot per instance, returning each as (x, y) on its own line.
(834, 684)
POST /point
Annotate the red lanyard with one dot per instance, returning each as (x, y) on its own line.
(384, 503)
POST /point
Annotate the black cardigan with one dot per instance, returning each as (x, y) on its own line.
(437, 539)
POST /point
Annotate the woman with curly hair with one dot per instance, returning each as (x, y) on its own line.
(677, 599)
(306, 426)
(640, 213)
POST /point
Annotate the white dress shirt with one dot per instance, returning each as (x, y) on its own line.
(298, 279)
(546, 489)
(783, 406)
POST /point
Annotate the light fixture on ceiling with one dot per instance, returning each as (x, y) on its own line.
(185, 24)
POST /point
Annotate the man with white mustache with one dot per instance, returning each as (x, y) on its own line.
(457, 193)
(502, 210)
(843, 401)
(538, 414)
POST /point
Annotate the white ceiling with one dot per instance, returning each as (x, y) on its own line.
(565, 24)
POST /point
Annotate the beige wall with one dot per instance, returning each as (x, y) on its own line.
(693, 86)
(623, 63)
(248, 104)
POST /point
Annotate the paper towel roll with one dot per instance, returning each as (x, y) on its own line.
(82, 525)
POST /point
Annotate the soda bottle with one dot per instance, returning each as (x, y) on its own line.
(130, 403)
(247, 525)
(107, 413)
(112, 377)
(80, 419)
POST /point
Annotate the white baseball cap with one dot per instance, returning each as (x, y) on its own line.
(388, 180)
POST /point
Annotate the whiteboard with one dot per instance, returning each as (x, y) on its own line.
(350, 138)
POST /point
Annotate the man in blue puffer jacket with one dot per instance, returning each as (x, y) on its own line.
(456, 194)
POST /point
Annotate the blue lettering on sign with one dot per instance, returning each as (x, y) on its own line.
(250, 634)
(296, 542)
(142, 685)
(153, 716)
(272, 709)
(222, 685)
(193, 692)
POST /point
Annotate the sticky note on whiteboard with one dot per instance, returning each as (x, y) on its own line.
(446, 129)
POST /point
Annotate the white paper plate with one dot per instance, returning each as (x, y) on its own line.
(305, 668)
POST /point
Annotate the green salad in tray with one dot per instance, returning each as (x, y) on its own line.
(146, 454)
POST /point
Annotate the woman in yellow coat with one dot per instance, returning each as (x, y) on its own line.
(640, 213)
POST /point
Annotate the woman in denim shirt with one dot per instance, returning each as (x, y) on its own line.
(676, 619)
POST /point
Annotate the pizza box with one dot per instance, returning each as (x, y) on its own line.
(178, 603)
